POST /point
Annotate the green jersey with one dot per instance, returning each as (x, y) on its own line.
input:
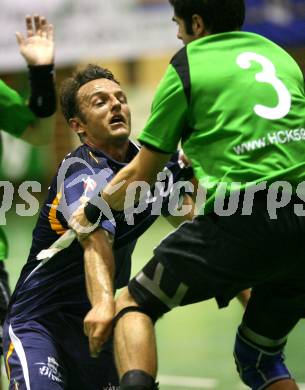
(15, 117)
(236, 101)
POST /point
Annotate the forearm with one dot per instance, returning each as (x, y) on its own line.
(144, 167)
(99, 273)
(99, 267)
(115, 192)
(42, 103)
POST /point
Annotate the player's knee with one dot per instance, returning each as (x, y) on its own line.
(127, 304)
(259, 366)
(125, 300)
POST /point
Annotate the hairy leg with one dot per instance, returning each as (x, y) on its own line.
(134, 340)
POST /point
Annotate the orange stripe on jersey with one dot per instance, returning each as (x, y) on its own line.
(93, 156)
(10, 351)
(54, 222)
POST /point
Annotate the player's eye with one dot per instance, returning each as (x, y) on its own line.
(122, 99)
(100, 102)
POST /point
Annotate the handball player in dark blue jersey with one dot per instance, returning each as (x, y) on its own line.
(53, 318)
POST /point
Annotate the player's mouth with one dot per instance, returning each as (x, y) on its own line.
(117, 121)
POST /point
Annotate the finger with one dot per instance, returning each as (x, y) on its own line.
(43, 27)
(29, 26)
(50, 30)
(96, 343)
(86, 329)
(20, 38)
(37, 24)
(95, 346)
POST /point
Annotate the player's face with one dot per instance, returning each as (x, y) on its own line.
(106, 113)
(182, 34)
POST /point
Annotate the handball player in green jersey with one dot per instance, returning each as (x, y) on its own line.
(236, 102)
(32, 121)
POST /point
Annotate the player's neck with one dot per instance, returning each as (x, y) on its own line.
(117, 151)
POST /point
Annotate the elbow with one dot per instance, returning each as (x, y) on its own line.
(40, 133)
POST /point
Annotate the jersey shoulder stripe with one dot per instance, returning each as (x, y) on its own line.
(181, 65)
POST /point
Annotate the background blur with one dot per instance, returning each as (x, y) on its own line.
(136, 39)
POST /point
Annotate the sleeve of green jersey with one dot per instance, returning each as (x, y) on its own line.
(15, 116)
(169, 114)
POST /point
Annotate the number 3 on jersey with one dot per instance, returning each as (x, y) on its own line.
(267, 75)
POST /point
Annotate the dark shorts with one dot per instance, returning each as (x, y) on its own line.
(53, 354)
(217, 257)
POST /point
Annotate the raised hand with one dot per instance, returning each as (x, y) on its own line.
(37, 47)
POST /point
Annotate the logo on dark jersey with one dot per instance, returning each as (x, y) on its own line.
(89, 184)
(50, 369)
(111, 387)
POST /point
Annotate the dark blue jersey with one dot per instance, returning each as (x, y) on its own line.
(60, 282)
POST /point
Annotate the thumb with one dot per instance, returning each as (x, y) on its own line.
(86, 331)
(20, 38)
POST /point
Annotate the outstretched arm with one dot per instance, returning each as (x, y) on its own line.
(144, 167)
(37, 48)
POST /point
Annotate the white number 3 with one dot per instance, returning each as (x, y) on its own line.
(268, 75)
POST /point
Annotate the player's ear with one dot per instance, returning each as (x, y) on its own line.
(198, 26)
(77, 126)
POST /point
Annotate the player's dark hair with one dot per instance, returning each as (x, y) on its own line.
(70, 87)
(218, 15)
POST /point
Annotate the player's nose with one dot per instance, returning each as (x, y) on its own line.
(115, 103)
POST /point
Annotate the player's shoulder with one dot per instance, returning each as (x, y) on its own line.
(251, 40)
(179, 56)
(277, 54)
(85, 156)
(87, 160)
(81, 152)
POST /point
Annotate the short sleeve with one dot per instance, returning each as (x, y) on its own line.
(85, 181)
(15, 116)
(169, 114)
